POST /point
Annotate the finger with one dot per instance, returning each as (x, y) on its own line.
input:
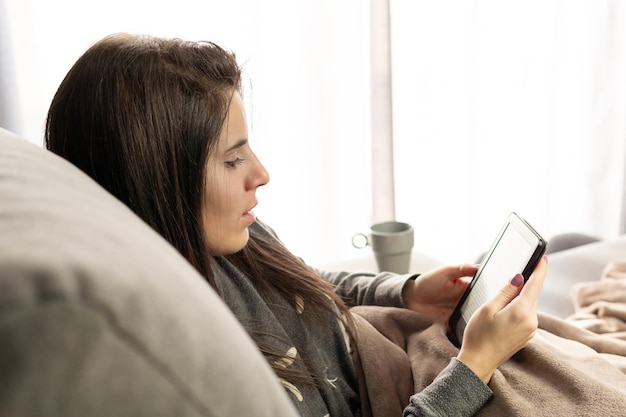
(508, 293)
(534, 285)
(460, 276)
(535, 282)
(467, 270)
(461, 271)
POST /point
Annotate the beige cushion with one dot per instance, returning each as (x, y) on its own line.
(99, 316)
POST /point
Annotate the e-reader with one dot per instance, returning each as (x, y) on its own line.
(517, 249)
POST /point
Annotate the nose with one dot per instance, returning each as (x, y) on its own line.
(259, 176)
(264, 176)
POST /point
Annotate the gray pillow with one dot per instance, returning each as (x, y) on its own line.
(100, 316)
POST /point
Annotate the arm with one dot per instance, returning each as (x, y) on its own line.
(496, 332)
(434, 293)
(364, 288)
(504, 325)
(382, 289)
(455, 391)
(356, 288)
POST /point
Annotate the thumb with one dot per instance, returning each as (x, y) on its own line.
(509, 291)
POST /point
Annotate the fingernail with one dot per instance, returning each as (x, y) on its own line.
(517, 280)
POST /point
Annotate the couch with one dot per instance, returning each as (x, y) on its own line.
(99, 316)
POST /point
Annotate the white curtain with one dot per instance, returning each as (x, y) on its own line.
(506, 106)
(308, 99)
(498, 106)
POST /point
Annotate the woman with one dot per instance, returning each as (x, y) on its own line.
(160, 123)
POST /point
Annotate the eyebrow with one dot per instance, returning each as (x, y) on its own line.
(237, 145)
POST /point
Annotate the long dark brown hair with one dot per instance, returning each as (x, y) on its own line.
(141, 115)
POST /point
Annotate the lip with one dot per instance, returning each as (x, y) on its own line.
(249, 214)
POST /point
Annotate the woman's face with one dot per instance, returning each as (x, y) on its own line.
(233, 175)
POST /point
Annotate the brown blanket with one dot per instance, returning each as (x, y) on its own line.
(567, 369)
(601, 305)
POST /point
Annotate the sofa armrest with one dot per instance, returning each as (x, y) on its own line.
(572, 266)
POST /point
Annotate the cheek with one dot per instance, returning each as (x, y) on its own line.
(214, 228)
(220, 202)
(215, 196)
(211, 218)
(221, 219)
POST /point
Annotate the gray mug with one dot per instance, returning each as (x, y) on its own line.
(392, 243)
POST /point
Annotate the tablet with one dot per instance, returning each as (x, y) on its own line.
(517, 249)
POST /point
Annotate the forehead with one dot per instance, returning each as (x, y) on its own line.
(235, 126)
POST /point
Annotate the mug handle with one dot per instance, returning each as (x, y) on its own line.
(360, 240)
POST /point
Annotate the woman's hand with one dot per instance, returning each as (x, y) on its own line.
(504, 325)
(436, 293)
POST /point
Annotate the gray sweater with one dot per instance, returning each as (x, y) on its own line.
(322, 348)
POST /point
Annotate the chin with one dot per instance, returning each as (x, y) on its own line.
(239, 244)
(231, 246)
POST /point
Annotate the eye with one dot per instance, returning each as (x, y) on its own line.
(234, 162)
